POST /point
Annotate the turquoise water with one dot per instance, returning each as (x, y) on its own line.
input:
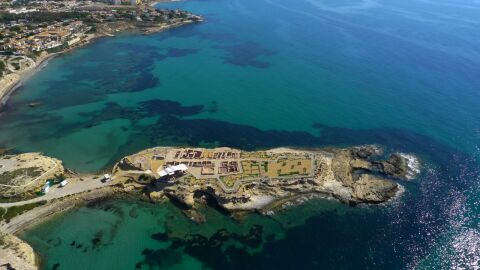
(259, 74)
(150, 236)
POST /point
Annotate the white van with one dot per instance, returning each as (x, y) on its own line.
(63, 183)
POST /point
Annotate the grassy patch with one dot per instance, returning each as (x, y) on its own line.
(7, 177)
(57, 179)
(6, 198)
(16, 65)
(14, 211)
(265, 166)
(229, 180)
(2, 67)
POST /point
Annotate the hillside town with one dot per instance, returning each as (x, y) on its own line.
(30, 30)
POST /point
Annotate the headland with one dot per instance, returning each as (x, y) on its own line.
(237, 180)
(241, 180)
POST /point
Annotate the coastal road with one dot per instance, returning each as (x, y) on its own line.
(75, 186)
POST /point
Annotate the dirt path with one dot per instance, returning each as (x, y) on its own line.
(55, 165)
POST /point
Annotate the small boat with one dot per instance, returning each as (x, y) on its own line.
(34, 104)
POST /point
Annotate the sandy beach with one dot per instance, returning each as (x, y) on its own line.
(12, 81)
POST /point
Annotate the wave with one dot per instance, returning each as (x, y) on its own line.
(413, 165)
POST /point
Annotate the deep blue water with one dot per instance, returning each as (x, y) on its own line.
(259, 74)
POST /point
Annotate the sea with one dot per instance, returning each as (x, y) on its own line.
(258, 74)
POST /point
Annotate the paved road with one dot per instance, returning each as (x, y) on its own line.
(76, 186)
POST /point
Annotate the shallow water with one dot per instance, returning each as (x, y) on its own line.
(149, 236)
(259, 74)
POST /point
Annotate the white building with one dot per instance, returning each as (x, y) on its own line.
(22, 10)
(73, 41)
(172, 170)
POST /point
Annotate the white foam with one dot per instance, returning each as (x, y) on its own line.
(269, 213)
(255, 202)
(413, 165)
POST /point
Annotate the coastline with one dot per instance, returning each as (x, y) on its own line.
(10, 82)
(16, 79)
(18, 253)
(44, 213)
(334, 181)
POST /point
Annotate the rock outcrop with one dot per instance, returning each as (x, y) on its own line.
(15, 253)
(396, 166)
(372, 189)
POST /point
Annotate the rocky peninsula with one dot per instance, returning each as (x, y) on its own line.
(240, 180)
(236, 180)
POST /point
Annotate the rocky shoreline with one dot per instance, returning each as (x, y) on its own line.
(16, 254)
(352, 175)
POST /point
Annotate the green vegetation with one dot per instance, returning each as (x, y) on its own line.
(2, 66)
(2, 239)
(58, 49)
(42, 16)
(34, 55)
(57, 180)
(16, 29)
(2, 212)
(16, 65)
(229, 180)
(292, 173)
(7, 177)
(265, 166)
(92, 30)
(130, 16)
(8, 195)
(14, 211)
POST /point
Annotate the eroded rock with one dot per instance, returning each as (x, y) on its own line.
(372, 189)
(396, 165)
(16, 253)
